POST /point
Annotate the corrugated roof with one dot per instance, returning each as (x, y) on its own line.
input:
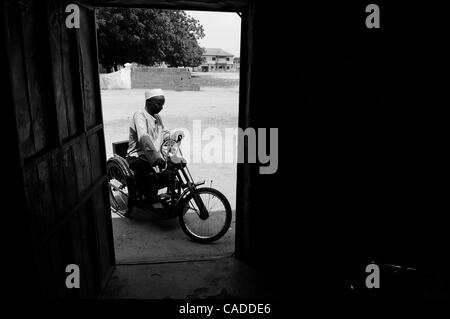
(217, 51)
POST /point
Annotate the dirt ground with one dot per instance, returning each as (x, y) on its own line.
(216, 106)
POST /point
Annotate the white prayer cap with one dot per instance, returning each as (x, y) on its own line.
(152, 93)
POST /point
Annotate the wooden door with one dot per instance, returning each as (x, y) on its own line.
(56, 98)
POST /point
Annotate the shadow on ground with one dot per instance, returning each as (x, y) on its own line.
(146, 238)
(223, 278)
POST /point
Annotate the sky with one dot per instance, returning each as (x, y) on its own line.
(222, 30)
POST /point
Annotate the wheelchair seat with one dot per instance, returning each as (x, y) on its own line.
(120, 148)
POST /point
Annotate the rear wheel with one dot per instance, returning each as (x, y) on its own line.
(211, 228)
(121, 185)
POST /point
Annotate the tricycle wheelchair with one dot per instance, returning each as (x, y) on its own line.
(204, 213)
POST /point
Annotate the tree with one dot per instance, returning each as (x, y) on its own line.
(148, 36)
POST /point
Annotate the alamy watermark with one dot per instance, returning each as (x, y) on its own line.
(373, 277)
(231, 145)
(73, 18)
(373, 19)
(73, 277)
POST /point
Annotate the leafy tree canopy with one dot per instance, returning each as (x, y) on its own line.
(148, 36)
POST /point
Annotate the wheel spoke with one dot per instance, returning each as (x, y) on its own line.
(118, 188)
(195, 210)
(209, 198)
(205, 229)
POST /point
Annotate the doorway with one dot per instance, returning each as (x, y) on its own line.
(205, 106)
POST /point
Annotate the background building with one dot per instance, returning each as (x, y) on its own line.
(216, 59)
(237, 63)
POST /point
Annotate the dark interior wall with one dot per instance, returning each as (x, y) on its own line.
(363, 120)
(15, 242)
(58, 160)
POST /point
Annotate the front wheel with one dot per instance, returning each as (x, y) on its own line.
(212, 228)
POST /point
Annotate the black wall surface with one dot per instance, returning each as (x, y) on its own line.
(363, 128)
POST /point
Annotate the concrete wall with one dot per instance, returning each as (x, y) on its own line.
(116, 80)
(164, 78)
(147, 78)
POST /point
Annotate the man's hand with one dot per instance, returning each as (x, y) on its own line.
(177, 135)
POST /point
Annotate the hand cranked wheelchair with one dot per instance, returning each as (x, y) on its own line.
(204, 213)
